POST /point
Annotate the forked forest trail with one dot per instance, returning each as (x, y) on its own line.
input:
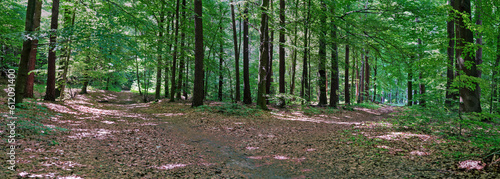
(119, 137)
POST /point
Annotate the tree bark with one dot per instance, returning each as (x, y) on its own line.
(334, 97)
(304, 92)
(50, 92)
(160, 53)
(25, 54)
(410, 85)
(264, 56)
(322, 57)
(182, 50)
(236, 55)
(198, 55)
(174, 55)
(221, 62)
(282, 47)
(34, 48)
(450, 28)
(469, 95)
(247, 98)
(294, 57)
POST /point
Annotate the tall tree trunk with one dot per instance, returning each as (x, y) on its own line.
(304, 92)
(358, 78)
(169, 50)
(174, 56)
(160, 53)
(221, 62)
(269, 78)
(410, 85)
(264, 56)
(367, 78)
(34, 47)
(450, 28)
(469, 97)
(50, 92)
(247, 98)
(25, 54)
(479, 43)
(294, 57)
(495, 79)
(198, 55)
(362, 77)
(236, 55)
(282, 47)
(375, 81)
(322, 57)
(334, 97)
(421, 85)
(182, 56)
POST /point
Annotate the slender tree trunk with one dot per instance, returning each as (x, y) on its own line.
(421, 85)
(264, 56)
(247, 98)
(236, 55)
(25, 54)
(479, 42)
(362, 78)
(367, 78)
(160, 53)
(34, 47)
(174, 56)
(469, 98)
(221, 63)
(410, 85)
(322, 57)
(304, 93)
(198, 55)
(334, 97)
(375, 82)
(50, 92)
(269, 78)
(294, 57)
(450, 28)
(169, 50)
(495, 79)
(282, 47)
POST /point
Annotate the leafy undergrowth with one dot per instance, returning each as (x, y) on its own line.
(121, 138)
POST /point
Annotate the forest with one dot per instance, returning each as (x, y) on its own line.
(250, 88)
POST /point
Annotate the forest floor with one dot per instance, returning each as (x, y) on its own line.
(120, 137)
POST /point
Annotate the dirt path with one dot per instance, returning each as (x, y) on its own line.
(120, 138)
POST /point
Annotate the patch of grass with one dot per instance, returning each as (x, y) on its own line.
(231, 109)
(447, 123)
(318, 110)
(366, 105)
(29, 116)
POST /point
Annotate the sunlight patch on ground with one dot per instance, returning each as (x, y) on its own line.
(471, 164)
(65, 165)
(170, 166)
(78, 102)
(419, 153)
(168, 114)
(60, 108)
(70, 177)
(310, 149)
(308, 119)
(99, 134)
(371, 125)
(108, 122)
(26, 174)
(367, 110)
(281, 157)
(397, 135)
(251, 148)
(257, 157)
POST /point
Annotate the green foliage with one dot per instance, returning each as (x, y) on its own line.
(366, 105)
(29, 120)
(284, 99)
(310, 110)
(449, 124)
(231, 109)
